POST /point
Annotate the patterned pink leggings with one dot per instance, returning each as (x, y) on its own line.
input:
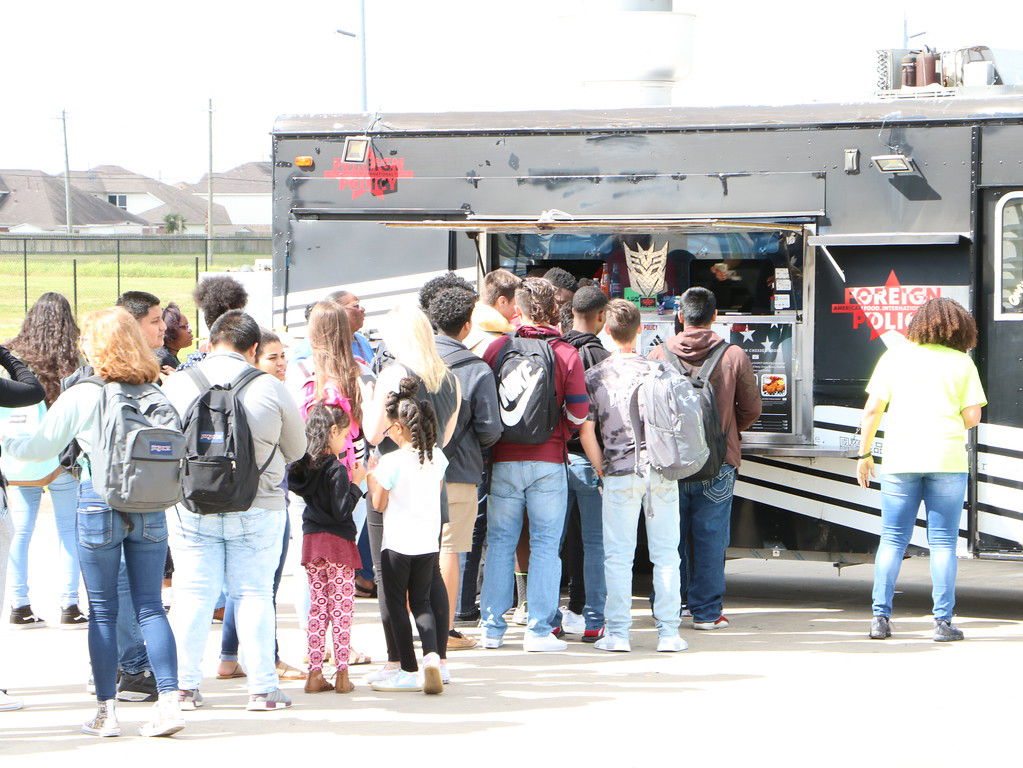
(332, 589)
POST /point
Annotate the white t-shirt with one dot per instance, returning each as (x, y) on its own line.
(412, 517)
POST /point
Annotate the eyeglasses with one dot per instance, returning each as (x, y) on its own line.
(392, 426)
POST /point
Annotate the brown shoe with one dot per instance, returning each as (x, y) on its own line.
(316, 683)
(287, 672)
(459, 642)
(341, 682)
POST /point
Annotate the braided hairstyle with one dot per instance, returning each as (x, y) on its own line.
(417, 416)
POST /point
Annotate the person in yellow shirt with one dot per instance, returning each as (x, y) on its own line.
(933, 395)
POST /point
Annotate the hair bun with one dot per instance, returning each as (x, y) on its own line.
(408, 387)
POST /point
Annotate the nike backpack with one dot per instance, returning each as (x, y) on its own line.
(137, 452)
(221, 474)
(670, 410)
(717, 441)
(526, 395)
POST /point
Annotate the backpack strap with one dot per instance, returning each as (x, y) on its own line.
(673, 360)
(710, 363)
(199, 378)
(245, 378)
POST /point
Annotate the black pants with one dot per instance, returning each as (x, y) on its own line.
(438, 592)
(410, 575)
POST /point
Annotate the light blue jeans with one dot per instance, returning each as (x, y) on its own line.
(624, 497)
(943, 494)
(239, 550)
(540, 487)
(582, 488)
(23, 501)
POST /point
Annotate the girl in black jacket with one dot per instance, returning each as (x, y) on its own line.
(329, 551)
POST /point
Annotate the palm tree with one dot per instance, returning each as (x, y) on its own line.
(174, 224)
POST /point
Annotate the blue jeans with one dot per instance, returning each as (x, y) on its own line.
(23, 502)
(229, 632)
(541, 487)
(239, 550)
(943, 494)
(705, 524)
(582, 488)
(103, 536)
(131, 646)
(624, 496)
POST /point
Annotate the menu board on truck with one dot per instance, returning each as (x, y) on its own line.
(769, 348)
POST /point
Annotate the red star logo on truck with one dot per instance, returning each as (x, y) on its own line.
(887, 307)
(378, 176)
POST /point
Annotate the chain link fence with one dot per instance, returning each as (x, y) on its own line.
(92, 271)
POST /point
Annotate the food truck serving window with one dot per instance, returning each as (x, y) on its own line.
(1009, 257)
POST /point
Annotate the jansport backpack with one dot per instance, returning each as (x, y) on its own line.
(717, 441)
(526, 395)
(221, 474)
(669, 409)
(137, 449)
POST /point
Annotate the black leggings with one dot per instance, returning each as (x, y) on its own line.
(410, 575)
(438, 592)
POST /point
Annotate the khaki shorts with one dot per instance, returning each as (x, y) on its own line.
(456, 535)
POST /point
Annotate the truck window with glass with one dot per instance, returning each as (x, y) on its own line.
(1009, 257)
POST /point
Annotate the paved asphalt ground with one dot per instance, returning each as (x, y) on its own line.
(794, 681)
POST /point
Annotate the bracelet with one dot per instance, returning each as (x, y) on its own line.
(867, 455)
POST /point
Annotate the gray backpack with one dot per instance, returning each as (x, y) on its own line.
(668, 407)
(137, 454)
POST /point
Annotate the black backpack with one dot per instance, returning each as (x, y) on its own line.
(526, 395)
(221, 474)
(717, 441)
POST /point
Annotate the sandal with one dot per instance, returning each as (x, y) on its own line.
(355, 658)
(287, 672)
(365, 588)
(236, 672)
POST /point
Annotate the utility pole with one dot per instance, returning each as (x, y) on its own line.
(209, 197)
(361, 35)
(67, 175)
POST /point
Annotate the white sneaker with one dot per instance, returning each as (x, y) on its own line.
(267, 702)
(433, 677)
(572, 623)
(720, 623)
(521, 615)
(533, 644)
(167, 719)
(445, 675)
(105, 721)
(384, 673)
(613, 643)
(9, 703)
(403, 681)
(189, 700)
(490, 642)
(671, 644)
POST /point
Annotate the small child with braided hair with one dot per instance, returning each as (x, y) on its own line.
(329, 552)
(405, 486)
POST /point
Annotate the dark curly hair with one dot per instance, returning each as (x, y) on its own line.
(317, 433)
(417, 416)
(173, 318)
(943, 321)
(561, 278)
(433, 287)
(451, 309)
(217, 295)
(48, 342)
(535, 299)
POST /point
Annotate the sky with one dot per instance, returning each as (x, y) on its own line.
(135, 78)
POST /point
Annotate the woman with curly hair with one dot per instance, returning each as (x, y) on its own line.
(933, 395)
(113, 343)
(48, 344)
(405, 488)
(177, 337)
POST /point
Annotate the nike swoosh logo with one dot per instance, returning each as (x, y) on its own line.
(512, 414)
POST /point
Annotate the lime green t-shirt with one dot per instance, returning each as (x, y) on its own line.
(926, 387)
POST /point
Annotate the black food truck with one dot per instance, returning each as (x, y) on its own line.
(819, 228)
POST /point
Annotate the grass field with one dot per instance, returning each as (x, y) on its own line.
(169, 276)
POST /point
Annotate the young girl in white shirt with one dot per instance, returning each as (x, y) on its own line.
(405, 487)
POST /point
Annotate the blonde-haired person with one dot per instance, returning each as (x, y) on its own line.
(113, 343)
(408, 336)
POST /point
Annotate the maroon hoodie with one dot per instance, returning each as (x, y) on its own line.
(733, 382)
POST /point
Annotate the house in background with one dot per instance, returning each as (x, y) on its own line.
(152, 200)
(33, 202)
(246, 192)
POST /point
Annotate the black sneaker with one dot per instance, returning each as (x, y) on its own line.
(944, 632)
(72, 618)
(880, 628)
(23, 618)
(140, 687)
